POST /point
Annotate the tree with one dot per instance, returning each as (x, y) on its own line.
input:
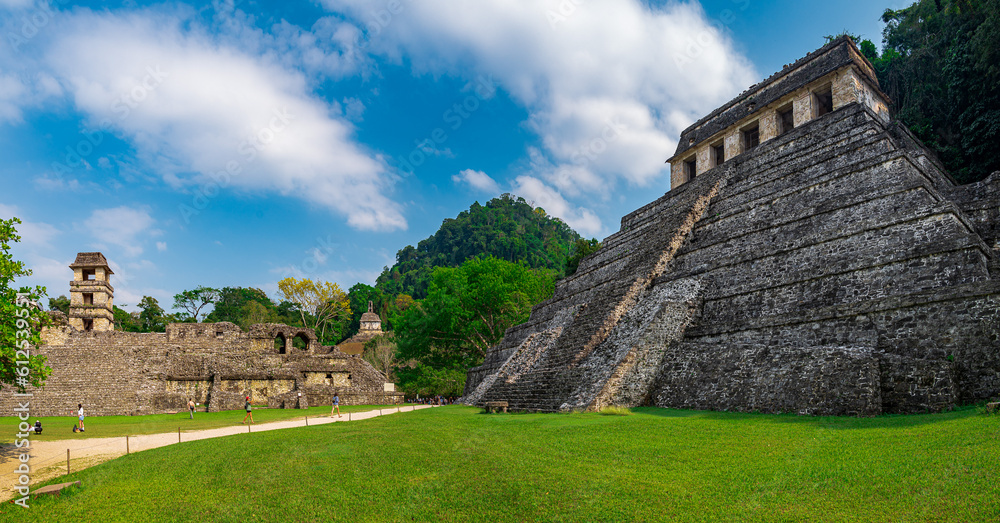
(126, 321)
(21, 319)
(939, 67)
(195, 300)
(507, 227)
(582, 249)
(322, 305)
(467, 310)
(255, 312)
(59, 304)
(380, 351)
(231, 302)
(151, 315)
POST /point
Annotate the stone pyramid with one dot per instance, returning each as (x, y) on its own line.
(812, 257)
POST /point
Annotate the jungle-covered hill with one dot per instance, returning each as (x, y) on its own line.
(506, 227)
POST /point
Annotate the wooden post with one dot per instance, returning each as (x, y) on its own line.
(348, 416)
(178, 434)
(126, 445)
(307, 421)
(248, 428)
(67, 462)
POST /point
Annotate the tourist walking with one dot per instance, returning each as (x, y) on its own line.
(249, 411)
(79, 415)
(191, 408)
(336, 406)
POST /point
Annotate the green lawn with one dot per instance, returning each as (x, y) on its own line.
(455, 464)
(61, 427)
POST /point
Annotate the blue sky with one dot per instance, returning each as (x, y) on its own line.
(234, 144)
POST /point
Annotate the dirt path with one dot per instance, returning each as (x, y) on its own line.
(48, 458)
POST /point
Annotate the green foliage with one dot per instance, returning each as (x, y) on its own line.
(845, 32)
(322, 306)
(359, 295)
(21, 318)
(581, 250)
(231, 302)
(427, 381)
(126, 321)
(615, 411)
(59, 304)
(193, 301)
(455, 464)
(939, 66)
(152, 317)
(506, 228)
(255, 312)
(245, 306)
(466, 311)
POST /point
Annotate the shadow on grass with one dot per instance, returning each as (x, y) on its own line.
(827, 422)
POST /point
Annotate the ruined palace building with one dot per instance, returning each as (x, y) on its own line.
(812, 256)
(216, 364)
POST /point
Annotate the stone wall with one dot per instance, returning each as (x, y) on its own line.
(217, 364)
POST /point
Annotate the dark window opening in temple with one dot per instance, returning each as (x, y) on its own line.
(690, 168)
(751, 137)
(718, 154)
(823, 100)
(786, 119)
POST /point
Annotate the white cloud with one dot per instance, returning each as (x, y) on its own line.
(535, 192)
(354, 109)
(193, 105)
(161, 246)
(609, 84)
(121, 226)
(477, 180)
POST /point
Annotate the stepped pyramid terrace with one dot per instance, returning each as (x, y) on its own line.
(811, 257)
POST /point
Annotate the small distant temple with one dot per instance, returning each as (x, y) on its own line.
(371, 326)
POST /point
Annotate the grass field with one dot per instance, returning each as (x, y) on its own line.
(61, 427)
(456, 464)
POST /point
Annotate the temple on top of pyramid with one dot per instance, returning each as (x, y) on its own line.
(371, 326)
(812, 256)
